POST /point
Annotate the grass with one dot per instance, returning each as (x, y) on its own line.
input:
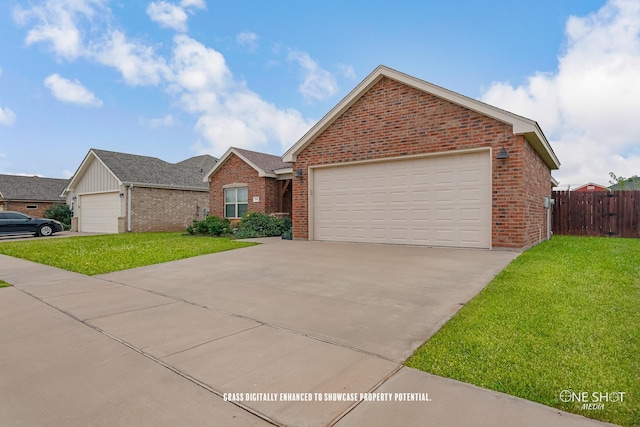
(4, 284)
(562, 316)
(113, 252)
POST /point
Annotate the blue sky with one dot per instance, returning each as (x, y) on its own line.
(176, 78)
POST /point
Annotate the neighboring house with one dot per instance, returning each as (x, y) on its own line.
(117, 192)
(244, 180)
(31, 195)
(403, 161)
(632, 183)
(591, 187)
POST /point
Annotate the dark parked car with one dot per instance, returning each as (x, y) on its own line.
(19, 223)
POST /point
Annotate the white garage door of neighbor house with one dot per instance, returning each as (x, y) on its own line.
(99, 212)
(434, 201)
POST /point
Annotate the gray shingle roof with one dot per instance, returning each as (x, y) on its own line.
(32, 188)
(135, 169)
(266, 162)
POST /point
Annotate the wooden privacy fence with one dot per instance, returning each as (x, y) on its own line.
(597, 213)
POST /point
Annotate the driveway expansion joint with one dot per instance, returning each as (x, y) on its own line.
(210, 341)
(156, 360)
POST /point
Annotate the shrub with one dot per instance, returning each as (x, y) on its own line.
(287, 224)
(216, 225)
(60, 212)
(213, 225)
(256, 224)
(287, 232)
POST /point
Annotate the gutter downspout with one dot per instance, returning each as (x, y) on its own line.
(129, 207)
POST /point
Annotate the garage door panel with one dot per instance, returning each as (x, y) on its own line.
(444, 237)
(470, 237)
(444, 178)
(470, 195)
(439, 201)
(444, 195)
(471, 214)
(99, 212)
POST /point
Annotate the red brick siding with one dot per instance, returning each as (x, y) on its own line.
(9, 205)
(392, 120)
(537, 185)
(506, 192)
(271, 195)
(235, 170)
(287, 199)
(157, 209)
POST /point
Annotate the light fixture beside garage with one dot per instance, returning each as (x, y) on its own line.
(502, 154)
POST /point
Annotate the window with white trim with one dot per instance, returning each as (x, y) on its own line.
(236, 202)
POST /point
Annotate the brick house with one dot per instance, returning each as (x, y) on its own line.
(400, 160)
(244, 180)
(117, 192)
(591, 187)
(31, 195)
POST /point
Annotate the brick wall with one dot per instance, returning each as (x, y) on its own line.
(235, 170)
(8, 205)
(158, 209)
(537, 186)
(393, 120)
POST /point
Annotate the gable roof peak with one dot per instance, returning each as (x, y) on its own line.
(265, 164)
(521, 125)
(150, 171)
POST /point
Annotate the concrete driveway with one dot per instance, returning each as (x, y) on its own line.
(378, 299)
(223, 339)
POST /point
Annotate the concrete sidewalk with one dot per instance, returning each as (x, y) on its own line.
(78, 350)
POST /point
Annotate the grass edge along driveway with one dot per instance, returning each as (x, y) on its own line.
(101, 254)
(562, 316)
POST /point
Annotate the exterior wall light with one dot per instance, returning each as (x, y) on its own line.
(502, 154)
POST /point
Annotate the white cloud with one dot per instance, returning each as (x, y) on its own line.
(248, 40)
(168, 15)
(165, 121)
(347, 71)
(589, 106)
(245, 120)
(81, 29)
(198, 4)
(137, 62)
(318, 83)
(7, 117)
(72, 92)
(57, 23)
(227, 113)
(198, 68)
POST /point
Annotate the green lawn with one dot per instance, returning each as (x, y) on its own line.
(564, 315)
(113, 252)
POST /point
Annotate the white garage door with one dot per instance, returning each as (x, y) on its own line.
(99, 212)
(434, 201)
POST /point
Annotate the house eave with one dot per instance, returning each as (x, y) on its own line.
(164, 186)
